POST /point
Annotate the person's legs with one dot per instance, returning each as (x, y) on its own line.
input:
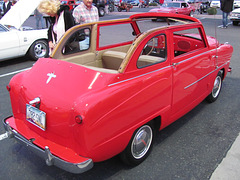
(227, 19)
(37, 22)
(224, 19)
(42, 23)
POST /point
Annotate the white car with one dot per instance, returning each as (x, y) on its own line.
(215, 3)
(19, 41)
(236, 3)
(235, 16)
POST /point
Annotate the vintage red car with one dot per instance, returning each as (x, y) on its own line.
(100, 95)
(178, 7)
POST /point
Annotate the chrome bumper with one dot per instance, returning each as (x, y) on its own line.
(46, 154)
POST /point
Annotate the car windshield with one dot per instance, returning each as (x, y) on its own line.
(63, 2)
(171, 4)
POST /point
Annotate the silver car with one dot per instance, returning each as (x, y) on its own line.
(235, 16)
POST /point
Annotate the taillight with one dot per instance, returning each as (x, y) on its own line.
(8, 87)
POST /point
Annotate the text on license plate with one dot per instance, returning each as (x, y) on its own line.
(36, 116)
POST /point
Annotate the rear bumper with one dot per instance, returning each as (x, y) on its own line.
(46, 154)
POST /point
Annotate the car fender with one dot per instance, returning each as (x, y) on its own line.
(107, 108)
(27, 38)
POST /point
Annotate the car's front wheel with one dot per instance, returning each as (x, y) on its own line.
(39, 49)
(191, 14)
(216, 88)
(139, 146)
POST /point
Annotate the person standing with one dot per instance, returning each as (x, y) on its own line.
(85, 12)
(140, 5)
(226, 7)
(39, 18)
(60, 19)
(107, 6)
(6, 6)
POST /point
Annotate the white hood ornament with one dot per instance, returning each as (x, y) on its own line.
(50, 76)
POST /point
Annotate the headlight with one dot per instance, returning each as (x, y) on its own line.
(234, 14)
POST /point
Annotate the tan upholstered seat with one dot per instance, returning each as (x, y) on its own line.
(112, 59)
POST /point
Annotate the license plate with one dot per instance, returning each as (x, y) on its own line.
(36, 116)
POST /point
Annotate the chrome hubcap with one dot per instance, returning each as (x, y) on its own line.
(217, 86)
(40, 50)
(142, 142)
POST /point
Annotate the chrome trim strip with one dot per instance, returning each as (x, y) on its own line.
(138, 76)
(193, 57)
(206, 75)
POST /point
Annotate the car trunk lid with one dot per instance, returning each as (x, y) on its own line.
(57, 84)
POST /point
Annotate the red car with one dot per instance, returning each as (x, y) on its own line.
(178, 7)
(71, 3)
(100, 95)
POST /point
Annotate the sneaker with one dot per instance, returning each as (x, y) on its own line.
(223, 27)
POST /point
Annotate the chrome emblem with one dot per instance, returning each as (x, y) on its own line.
(51, 75)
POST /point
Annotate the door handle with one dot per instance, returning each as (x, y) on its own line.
(174, 64)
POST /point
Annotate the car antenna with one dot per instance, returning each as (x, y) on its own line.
(215, 20)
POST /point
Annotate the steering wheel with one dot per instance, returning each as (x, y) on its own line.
(146, 46)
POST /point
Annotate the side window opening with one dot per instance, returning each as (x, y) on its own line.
(186, 41)
(79, 41)
(153, 52)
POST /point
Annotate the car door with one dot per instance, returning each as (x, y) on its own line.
(184, 8)
(191, 65)
(9, 46)
(181, 9)
(154, 77)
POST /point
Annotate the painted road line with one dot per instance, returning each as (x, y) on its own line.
(14, 72)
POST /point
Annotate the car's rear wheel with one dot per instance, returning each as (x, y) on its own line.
(39, 49)
(216, 88)
(139, 146)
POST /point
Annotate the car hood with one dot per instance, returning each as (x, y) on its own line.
(19, 13)
(163, 9)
